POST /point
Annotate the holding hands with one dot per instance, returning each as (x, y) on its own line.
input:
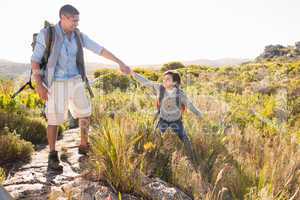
(125, 69)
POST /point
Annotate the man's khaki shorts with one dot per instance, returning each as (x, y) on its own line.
(67, 95)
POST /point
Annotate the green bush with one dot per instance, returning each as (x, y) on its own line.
(13, 149)
(172, 66)
(112, 79)
(30, 129)
(101, 72)
(25, 101)
(33, 129)
(149, 74)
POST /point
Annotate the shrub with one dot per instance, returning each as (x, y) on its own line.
(113, 156)
(33, 129)
(149, 74)
(30, 129)
(172, 66)
(101, 72)
(23, 102)
(110, 80)
(13, 149)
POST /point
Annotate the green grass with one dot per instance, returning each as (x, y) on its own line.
(241, 144)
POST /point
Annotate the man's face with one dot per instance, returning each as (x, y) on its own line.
(70, 22)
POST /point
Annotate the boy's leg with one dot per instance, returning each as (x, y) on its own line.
(178, 128)
(162, 125)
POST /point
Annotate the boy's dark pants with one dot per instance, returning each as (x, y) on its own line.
(177, 127)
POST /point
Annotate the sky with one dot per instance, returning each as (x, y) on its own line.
(158, 31)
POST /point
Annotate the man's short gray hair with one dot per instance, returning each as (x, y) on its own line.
(68, 10)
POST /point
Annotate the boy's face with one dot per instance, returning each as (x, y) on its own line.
(168, 81)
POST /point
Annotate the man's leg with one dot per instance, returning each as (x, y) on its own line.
(52, 136)
(84, 146)
(53, 160)
(84, 130)
(55, 107)
(80, 107)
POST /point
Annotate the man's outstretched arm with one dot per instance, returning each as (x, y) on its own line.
(100, 50)
(108, 55)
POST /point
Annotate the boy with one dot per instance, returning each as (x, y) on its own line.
(171, 105)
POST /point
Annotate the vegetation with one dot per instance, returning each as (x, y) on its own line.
(247, 144)
(2, 175)
(21, 124)
(13, 149)
(172, 66)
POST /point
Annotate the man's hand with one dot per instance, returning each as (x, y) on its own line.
(125, 69)
(42, 92)
(108, 55)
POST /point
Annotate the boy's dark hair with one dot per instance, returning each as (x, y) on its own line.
(68, 10)
(175, 76)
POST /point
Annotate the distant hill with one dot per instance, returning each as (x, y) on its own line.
(217, 62)
(9, 69)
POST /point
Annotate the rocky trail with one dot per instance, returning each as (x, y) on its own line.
(34, 182)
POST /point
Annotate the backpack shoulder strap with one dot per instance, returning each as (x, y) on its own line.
(158, 102)
(79, 37)
(162, 90)
(49, 40)
(178, 91)
(160, 97)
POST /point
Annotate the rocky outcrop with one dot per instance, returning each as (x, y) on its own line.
(280, 51)
(157, 189)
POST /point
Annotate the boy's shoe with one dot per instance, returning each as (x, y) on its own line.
(83, 150)
(53, 161)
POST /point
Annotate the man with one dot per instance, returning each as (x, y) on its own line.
(62, 84)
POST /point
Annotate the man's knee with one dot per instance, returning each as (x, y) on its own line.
(84, 122)
(52, 128)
